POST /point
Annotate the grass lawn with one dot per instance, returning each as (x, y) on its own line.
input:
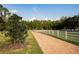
(31, 46)
(77, 33)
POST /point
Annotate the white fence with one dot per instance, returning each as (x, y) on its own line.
(71, 36)
(56, 33)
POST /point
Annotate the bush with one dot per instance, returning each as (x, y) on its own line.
(16, 29)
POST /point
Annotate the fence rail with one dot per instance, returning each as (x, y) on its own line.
(70, 36)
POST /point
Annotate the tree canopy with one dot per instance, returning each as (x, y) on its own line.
(63, 23)
(13, 25)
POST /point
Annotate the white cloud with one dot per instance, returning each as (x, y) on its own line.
(46, 18)
(34, 18)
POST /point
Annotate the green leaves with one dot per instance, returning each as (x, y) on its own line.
(16, 28)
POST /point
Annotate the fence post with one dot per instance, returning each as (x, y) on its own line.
(52, 32)
(58, 33)
(45, 31)
(66, 35)
(49, 31)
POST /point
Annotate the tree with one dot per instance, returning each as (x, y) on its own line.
(1, 9)
(3, 13)
(16, 29)
(2, 24)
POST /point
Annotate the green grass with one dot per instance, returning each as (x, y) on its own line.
(31, 47)
(4, 39)
(77, 33)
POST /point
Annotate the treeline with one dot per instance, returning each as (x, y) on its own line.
(12, 25)
(64, 23)
(38, 24)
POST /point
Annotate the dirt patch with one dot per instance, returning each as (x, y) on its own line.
(12, 46)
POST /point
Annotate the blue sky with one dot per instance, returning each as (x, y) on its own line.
(41, 11)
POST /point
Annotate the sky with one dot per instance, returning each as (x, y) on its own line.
(43, 11)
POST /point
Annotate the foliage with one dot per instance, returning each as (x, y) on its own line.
(16, 29)
(3, 13)
(31, 46)
(63, 23)
(2, 24)
(13, 25)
